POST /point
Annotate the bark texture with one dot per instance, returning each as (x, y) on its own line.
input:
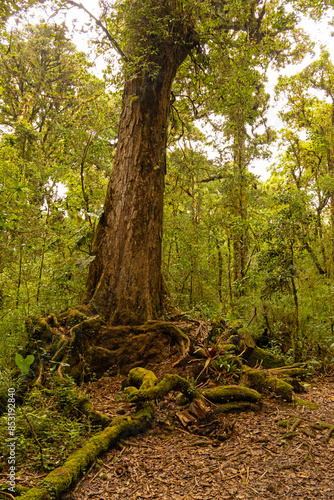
(125, 283)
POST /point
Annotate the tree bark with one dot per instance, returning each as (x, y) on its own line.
(125, 283)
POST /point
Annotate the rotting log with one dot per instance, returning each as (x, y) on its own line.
(262, 380)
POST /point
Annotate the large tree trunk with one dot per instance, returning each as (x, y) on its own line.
(125, 283)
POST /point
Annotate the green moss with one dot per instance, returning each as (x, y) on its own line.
(38, 328)
(72, 317)
(61, 348)
(19, 489)
(228, 347)
(265, 358)
(228, 393)
(62, 478)
(169, 383)
(35, 494)
(237, 406)
(52, 320)
(142, 378)
(262, 380)
(287, 422)
(90, 325)
(302, 402)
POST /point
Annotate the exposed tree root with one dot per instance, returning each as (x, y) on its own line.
(200, 417)
(62, 478)
(264, 381)
(300, 462)
(302, 402)
(85, 407)
(293, 423)
(236, 406)
(225, 394)
(158, 391)
(18, 488)
(86, 343)
(297, 370)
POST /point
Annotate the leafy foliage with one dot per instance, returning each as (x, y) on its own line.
(47, 420)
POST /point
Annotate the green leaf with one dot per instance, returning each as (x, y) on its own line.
(24, 364)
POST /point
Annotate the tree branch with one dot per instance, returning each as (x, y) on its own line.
(101, 25)
(213, 178)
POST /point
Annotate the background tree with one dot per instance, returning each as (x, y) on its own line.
(125, 283)
(58, 123)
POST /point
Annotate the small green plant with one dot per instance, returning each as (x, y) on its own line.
(220, 360)
(191, 389)
(24, 364)
(228, 364)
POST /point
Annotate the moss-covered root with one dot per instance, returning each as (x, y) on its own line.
(266, 358)
(227, 393)
(264, 381)
(4, 488)
(84, 405)
(324, 425)
(302, 402)
(298, 370)
(62, 478)
(150, 390)
(236, 406)
(142, 379)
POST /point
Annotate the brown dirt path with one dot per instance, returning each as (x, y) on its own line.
(253, 463)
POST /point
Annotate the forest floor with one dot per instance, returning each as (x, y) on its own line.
(251, 457)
